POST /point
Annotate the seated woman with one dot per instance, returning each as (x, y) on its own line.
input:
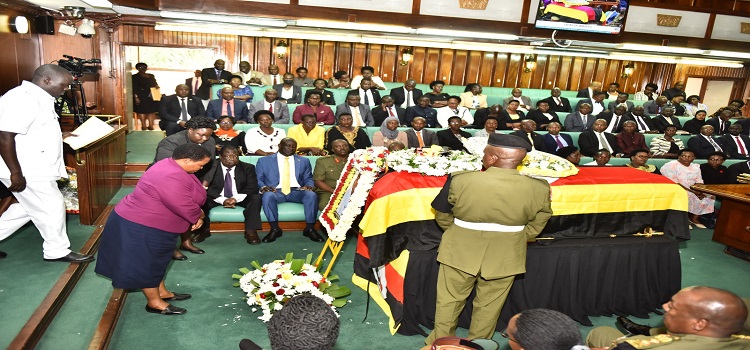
(542, 115)
(354, 135)
(694, 105)
(570, 153)
(309, 136)
(685, 173)
(713, 172)
(264, 139)
(629, 138)
(510, 118)
(227, 135)
(694, 125)
(638, 159)
(437, 97)
(389, 133)
(340, 80)
(490, 127)
(241, 93)
(474, 99)
(326, 97)
(601, 158)
(666, 146)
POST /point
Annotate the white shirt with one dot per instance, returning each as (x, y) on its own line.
(596, 108)
(358, 79)
(616, 119)
(287, 93)
(409, 100)
(641, 122)
(562, 141)
(370, 100)
(279, 79)
(29, 112)
(292, 171)
(267, 105)
(238, 196)
(713, 142)
(180, 100)
(443, 113)
(256, 139)
(357, 116)
(601, 136)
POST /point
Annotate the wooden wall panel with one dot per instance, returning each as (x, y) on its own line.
(312, 59)
(445, 70)
(328, 59)
(264, 55)
(358, 58)
(487, 69)
(344, 56)
(432, 62)
(417, 66)
(551, 77)
(374, 56)
(390, 63)
(20, 58)
(458, 68)
(514, 71)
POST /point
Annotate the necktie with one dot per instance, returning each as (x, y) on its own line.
(285, 189)
(229, 109)
(228, 184)
(183, 113)
(740, 145)
(643, 125)
(218, 74)
(558, 101)
(584, 118)
(274, 80)
(713, 143)
(367, 99)
(603, 141)
(617, 121)
(419, 138)
(408, 100)
(390, 111)
(270, 107)
(531, 139)
(355, 113)
(559, 144)
(721, 126)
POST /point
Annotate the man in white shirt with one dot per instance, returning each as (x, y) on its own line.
(177, 109)
(407, 95)
(368, 95)
(454, 110)
(32, 161)
(368, 72)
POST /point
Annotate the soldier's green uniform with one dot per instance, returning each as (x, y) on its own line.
(614, 339)
(328, 171)
(486, 259)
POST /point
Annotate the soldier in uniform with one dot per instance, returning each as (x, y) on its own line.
(484, 244)
(696, 318)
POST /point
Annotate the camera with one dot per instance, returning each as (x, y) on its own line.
(79, 66)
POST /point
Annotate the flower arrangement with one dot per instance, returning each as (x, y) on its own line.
(69, 189)
(431, 163)
(271, 285)
(546, 165)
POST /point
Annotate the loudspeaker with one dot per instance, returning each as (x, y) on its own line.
(44, 25)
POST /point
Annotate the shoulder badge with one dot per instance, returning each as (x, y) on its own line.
(739, 336)
(651, 342)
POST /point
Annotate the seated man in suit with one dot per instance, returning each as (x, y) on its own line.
(558, 103)
(654, 107)
(580, 120)
(176, 110)
(524, 103)
(588, 92)
(369, 96)
(645, 125)
(704, 144)
(287, 177)
(591, 141)
(622, 100)
(528, 134)
(249, 76)
(597, 103)
(361, 114)
(424, 110)
(736, 145)
(386, 109)
(453, 137)
(666, 118)
(273, 77)
(234, 184)
(270, 103)
(722, 123)
(407, 95)
(418, 136)
(554, 139)
(615, 119)
(677, 90)
(328, 170)
(228, 105)
(288, 92)
(481, 115)
(454, 110)
(474, 99)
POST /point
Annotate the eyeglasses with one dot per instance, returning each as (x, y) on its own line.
(225, 123)
(505, 335)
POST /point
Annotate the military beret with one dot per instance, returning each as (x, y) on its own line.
(508, 141)
(566, 151)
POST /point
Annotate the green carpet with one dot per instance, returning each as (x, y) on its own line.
(141, 146)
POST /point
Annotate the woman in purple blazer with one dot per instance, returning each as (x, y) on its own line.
(141, 232)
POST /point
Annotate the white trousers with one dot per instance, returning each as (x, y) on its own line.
(43, 204)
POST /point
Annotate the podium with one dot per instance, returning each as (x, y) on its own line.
(99, 166)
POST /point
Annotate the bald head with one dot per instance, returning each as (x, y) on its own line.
(705, 311)
(52, 78)
(502, 157)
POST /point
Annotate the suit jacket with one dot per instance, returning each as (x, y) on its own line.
(428, 137)
(399, 96)
(646, 119)
(660, 122)
(611, 106)
(189, 83)
(446, 139)
(591, 102)
(553, 106)
(715, 123)
(702, 147)
(745, 123)
(551, 144)
(526, 101)
(244, 177)
(296, 93)
(280, 111)
(652, 108)
(375, 96)
(167, 145)
(588, 142)
(379, 115)
(583, 93)
(364, 111)
(539, 143)
(326, 98)
(574, 122)
(204, 91)
(239, 110)
(540, 119)
(268, 171)
(735, 170)
(171, 111)
(730, 147)
(609, 116)
(467, 98)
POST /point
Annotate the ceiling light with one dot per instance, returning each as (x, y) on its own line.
(245, 31)
(14, 24)
(86, 28)
(571, 53)
(256, 21)
(370, 27)
(733, 54)
(76, 12)
(486, 47)
(656, 48)
(466, 34)
(711, 63)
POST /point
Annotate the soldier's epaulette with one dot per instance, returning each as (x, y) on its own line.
(739, 336)
(462, 172)
(652, 342)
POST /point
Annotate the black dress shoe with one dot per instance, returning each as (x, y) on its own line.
(272, 235)
(176, 255)
(252, 238)
(178, 297)
(632, 327)
(169, 310)
(194, 251)
(200, 237)
(3, 255)
(74, 257)
(313, 235)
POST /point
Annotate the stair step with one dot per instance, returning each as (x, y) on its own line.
(136, 167)
(130, 178)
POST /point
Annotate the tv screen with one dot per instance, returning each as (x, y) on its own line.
(603, 17)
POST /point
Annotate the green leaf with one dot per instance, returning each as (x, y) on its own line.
(245, 270)
(309, 259)
(333, 277)
(256, 265)
(236, 276)
(297, 265)
(339, 292)
(339, 302)
(237, 284)
(322, 287)
(289, 257)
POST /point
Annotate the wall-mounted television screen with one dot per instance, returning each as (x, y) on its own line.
(604, 17)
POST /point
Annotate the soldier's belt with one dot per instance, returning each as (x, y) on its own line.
(486, 226)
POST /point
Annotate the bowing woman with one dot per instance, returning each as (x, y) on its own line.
(141, 232)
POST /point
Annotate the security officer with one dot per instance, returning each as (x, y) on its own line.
(696, 318)
(484, 244)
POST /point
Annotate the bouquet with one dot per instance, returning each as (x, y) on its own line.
(541, 164)
(271, 285)
(430, 162)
